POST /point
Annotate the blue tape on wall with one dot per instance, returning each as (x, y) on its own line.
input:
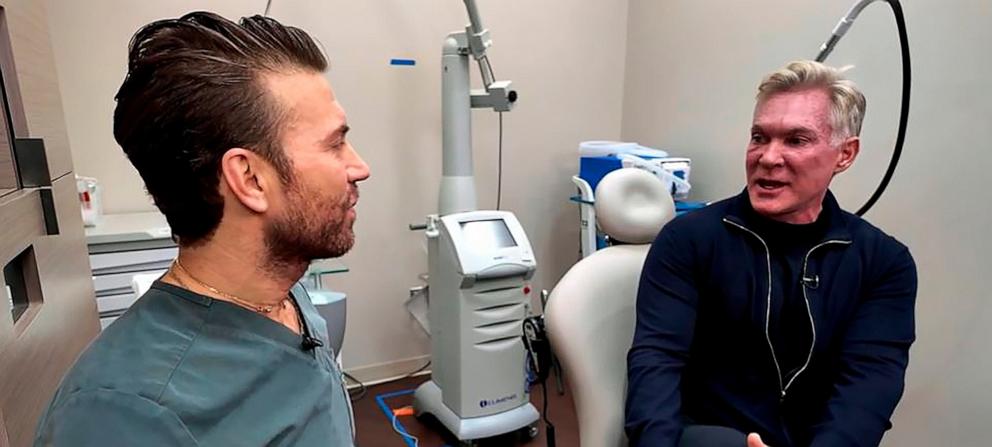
(403, 62)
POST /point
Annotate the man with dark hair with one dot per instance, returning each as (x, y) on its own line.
(242, 145)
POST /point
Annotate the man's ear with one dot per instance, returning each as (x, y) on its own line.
(848, 152)
(241, 170)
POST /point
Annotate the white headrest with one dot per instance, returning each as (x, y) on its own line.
(632, 205)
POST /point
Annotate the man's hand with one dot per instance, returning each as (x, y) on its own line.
(754, 440)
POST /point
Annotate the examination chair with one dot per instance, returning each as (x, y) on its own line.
(590, 312)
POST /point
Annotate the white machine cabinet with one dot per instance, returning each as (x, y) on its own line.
(481, 265)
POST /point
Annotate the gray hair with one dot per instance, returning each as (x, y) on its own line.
(847, 103)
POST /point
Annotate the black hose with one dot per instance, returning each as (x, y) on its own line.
(904, 111)
(549, 429)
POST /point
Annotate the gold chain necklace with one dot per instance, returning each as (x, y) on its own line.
(260, 308)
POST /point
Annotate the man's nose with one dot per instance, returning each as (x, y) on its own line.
(358, 170)
(772, 155)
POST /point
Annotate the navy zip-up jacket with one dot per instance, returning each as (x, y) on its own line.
(702, 354)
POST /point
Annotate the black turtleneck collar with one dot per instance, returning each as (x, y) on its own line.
(830, 224)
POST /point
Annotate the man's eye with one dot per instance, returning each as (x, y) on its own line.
(757, 138)
(796, 141)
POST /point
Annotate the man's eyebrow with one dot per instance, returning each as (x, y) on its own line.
(336, 135)
(802, 131)
(798, 130)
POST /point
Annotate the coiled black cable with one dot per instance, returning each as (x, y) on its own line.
(904, 109)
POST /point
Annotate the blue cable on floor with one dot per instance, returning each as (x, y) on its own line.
(381, 401)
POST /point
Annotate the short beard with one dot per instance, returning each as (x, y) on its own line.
(309, 230)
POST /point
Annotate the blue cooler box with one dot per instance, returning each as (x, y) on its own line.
(593, 169)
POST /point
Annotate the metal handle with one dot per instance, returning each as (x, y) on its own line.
(32, 169)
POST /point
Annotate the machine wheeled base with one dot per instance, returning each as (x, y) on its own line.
(427, 400)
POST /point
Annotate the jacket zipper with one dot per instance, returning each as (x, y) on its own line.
(784, 387)
(809, 310)
(768, 306)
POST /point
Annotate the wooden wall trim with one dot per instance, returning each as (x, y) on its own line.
(4, 441)
(8, 66)
(34, 358)
(37, 78)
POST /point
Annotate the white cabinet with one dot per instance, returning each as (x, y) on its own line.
(124, 245)
(121, 246)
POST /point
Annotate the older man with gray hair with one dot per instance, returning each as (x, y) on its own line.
(775, 316)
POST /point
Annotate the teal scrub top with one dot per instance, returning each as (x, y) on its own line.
(182, 369)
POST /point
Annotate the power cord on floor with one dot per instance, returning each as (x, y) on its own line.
(362, 389)
(549, 428)
(401, 432)
(539, 362)
(414, 372)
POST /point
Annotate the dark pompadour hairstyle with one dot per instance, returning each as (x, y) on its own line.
(194, 90)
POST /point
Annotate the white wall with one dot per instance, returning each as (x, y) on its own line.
(566, 60)
(691, 74)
